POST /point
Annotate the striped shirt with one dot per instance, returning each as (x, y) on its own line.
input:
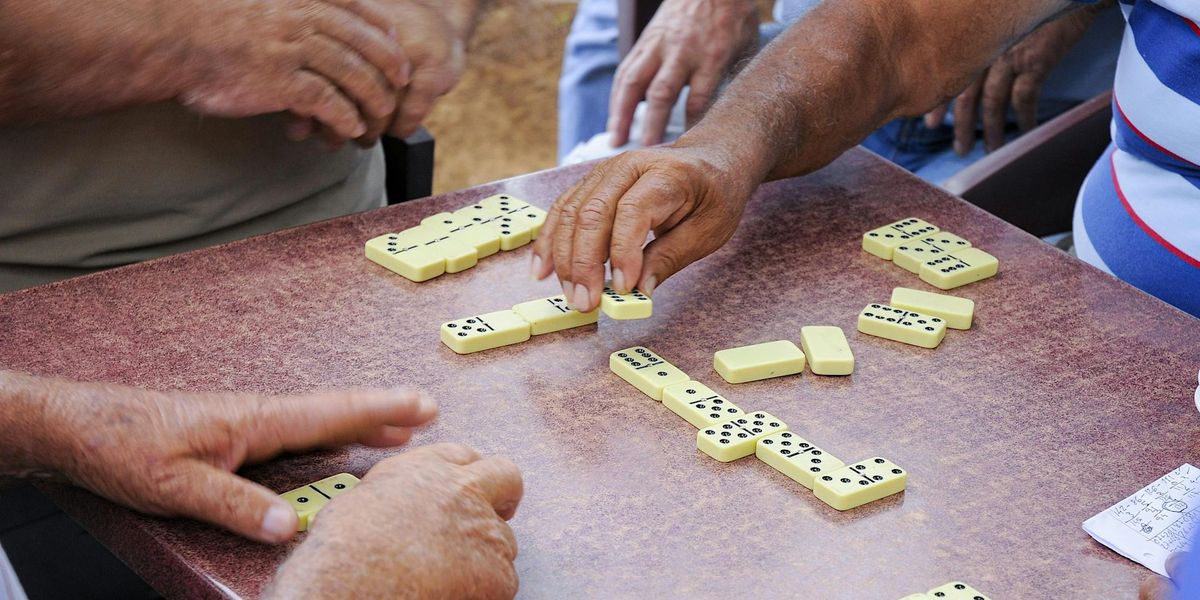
(1138, 214)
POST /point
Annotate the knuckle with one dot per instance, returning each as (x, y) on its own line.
(593, 214)
(660, 93)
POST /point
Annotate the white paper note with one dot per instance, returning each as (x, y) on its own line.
(1151, 524)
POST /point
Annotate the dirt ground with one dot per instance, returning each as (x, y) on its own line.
(500, 120)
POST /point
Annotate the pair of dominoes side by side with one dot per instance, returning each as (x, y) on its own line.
(308, 500)
(916, 317)
(939, 258)
(536, 317)
(727, 433)
(955, 590)
(453, 242)
(822, 347)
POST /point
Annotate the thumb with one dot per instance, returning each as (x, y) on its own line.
(679, 247)
(213, 495)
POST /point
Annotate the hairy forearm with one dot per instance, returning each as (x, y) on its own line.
(60, 58)
(850, 66)
(26, 443)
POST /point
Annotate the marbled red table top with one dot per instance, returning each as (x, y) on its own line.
(1071, 391)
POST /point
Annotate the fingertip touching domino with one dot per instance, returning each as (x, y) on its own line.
(308, 500)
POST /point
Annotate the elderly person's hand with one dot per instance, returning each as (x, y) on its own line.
(176, 453)
(687, 42)
(691, 197)
(337, 62)
(434, 35)
(429, 523)
(1015, 80)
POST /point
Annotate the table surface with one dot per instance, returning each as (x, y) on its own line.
(1071, 391)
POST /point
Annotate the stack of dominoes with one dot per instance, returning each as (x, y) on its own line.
(938, 257)
(955, 590)
(728, 433)
(453, 242)
(537, 317)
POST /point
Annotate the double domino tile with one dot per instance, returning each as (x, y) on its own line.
(727, 433)
(308, 500)
(453, 242)
(940, 258)
(955, 590)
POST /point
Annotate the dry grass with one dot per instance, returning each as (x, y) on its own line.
(500, 120)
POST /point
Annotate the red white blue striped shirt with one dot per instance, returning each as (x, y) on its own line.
(1138, 215)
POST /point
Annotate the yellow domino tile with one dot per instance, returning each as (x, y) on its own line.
(826, 350)
(957, 312)
(759, 361)
(484, 332)
(901, 325)
(309, 499)
(408, 253)
(736, 437)
(532, 218)
(959, 268)
(882, 242)
(698, 404)
(955, 590)
(862, 482)
(552, 314)
(485, 240)
(514, 232)
(506, 203)
(634, 305)
(912, 254)
(645, 370)
(796, 457)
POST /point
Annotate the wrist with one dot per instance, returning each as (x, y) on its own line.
(31, 439)
(737, 152)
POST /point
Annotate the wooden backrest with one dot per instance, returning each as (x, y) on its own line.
(1032, 182)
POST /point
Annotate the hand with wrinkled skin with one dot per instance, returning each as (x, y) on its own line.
(687, 42)
(176, 453)
(429, 523)
(434, 36)
(334, 61)
(821, 87)
(689, 196)
(1015, 80)
(1156, 587)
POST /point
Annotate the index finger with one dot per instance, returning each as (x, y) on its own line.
(500, 483)
(271, 425)
(628, 88)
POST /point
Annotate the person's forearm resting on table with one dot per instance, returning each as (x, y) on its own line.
(335, 62)
(816, 91)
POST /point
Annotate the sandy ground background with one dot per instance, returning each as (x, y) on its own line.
(500, 120)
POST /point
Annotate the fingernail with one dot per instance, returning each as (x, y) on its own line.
(279, 523)
(359, 129)
(648, 285)
(581, 297)
(958, 148)
(535, 267)
(568, 291)
(426, 406)
(618, 281)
